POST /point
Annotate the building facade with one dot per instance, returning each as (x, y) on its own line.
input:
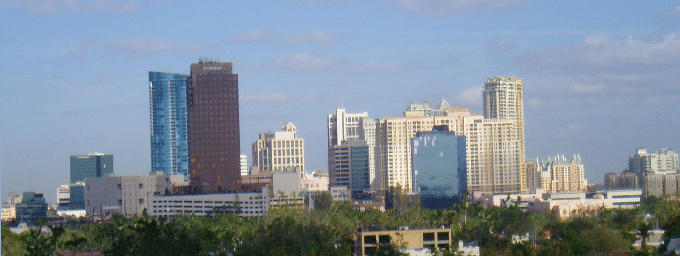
(343, 126)
(244, 165)
(504, 100)
(350, 168)
(168, 114)
(415, 242)
(664, 160)
(126, 195)
(394, 143)
(214, 135)
(94, 165)
(32, 208)
(250, 204)
(279, 151)
(560, 175)
(439, 167)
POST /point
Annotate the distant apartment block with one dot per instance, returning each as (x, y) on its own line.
(557, 174)
(439, 167)
(504, 100)
(94, 165)
(664, 160)
(168, 118)
(279, 150)
(9, 211)
(126, 195)
(214, 133)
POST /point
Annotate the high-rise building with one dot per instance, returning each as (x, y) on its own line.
(504, 101)
(169, 138)
(90, 166)
(214, 136)
(560, 175)
(394, 145)
(351, 168)
(664, 160)
(439, 167)
(343, 126)
(279, 151)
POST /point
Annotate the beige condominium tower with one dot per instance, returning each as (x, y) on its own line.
(504, 160)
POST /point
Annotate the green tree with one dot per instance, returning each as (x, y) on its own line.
(322, 200)
(11, 243)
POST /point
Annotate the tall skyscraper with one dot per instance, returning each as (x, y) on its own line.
(343, 126)
(90, 166)
(169, 138)
(504, 100)
(214, 136)
(279, 151)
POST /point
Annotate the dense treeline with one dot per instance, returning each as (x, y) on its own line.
(331, 229)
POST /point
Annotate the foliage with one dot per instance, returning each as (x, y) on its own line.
(331, 229)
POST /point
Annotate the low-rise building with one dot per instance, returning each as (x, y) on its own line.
(32, 208)
(413, 242)
(242, 204)
(567, 205)
(368, 241)
(9, 211)
(126, 195)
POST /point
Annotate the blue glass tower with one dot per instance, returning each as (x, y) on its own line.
(169, 141)
(439, 167)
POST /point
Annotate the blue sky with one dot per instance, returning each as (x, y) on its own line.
(600, 77)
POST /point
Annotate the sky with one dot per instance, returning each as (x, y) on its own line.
(600, 77)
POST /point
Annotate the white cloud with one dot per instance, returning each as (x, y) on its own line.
(471, 96)
(375, 66)
(595, 40)
(325, 1)
(253, 36)
(570, 128)
(48, 7)
(443, 8)
(498, 46)
(276, 99)
(144, 46)
(597, 55)
(659, 100)
(588, 88)
(130, 47)
(301, 62)
(317, 37)
(673, 13)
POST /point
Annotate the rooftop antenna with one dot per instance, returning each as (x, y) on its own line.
(342, 103)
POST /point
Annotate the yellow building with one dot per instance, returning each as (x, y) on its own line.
(279, 151)
(411, 240)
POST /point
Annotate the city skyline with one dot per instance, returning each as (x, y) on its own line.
(598, 77)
